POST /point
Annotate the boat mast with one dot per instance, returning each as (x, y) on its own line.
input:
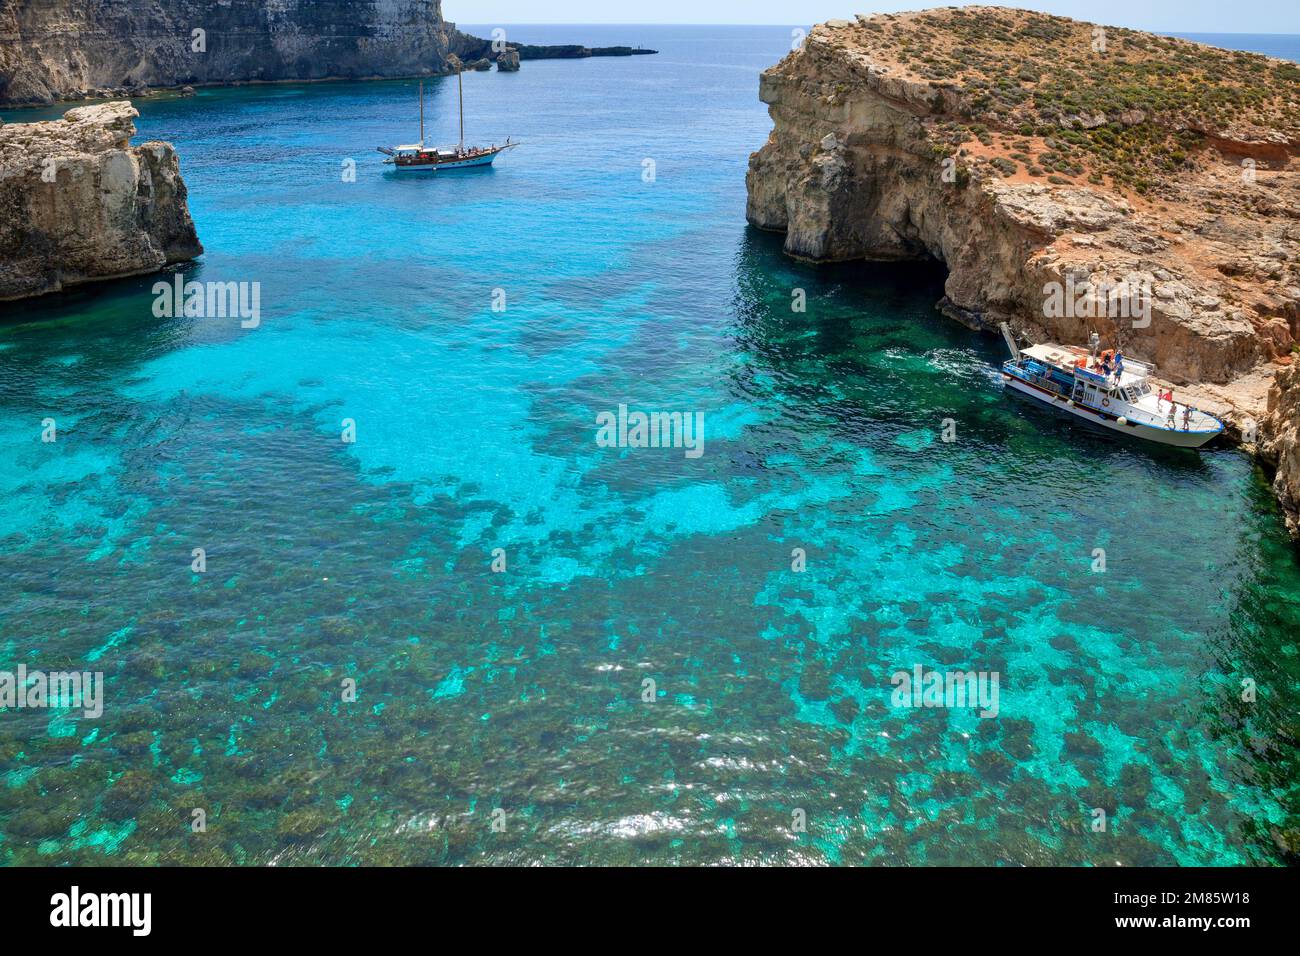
(460, 86)
(422, 112)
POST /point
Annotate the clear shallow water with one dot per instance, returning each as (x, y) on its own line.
(476, 430)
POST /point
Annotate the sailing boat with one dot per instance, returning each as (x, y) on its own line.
(415, 157)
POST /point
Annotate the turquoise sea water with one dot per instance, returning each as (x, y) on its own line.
(523, 691)
(1284, 46)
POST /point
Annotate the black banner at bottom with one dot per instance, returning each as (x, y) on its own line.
(332, 906)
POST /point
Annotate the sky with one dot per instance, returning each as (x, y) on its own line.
(1165, 16)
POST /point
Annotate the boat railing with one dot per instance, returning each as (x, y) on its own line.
(1137, 371)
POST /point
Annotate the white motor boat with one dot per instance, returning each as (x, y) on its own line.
(1077, 381)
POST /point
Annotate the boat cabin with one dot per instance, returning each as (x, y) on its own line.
(1091, 383)
(1072, 379)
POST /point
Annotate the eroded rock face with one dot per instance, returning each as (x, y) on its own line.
(1281, 445)
(866, 160)
(65, 49)
(853, 169)
(79, 203)
(58, 49)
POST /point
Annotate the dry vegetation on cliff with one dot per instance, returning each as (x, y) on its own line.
(1187, 147)
(1105, 104)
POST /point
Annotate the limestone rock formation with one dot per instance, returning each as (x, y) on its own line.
(59, 49)
(508, 61)
(67, 49)
(78, 202)
(1005, 145)
(1281, 446)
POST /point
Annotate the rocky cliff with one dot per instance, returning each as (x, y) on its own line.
(66, 49)
(59, 49)
(1280, 447)
(78, 202)
(1069, 176)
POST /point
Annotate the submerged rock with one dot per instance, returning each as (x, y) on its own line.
(78, 202)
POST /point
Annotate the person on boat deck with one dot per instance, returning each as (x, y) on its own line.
(1105, 364)
(1170, 421)
(1187, 418)
(1119, 363)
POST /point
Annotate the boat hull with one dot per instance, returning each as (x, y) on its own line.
(1162, 436)
(470, 163)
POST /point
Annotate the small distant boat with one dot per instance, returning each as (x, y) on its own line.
(416, 157)
(1076, 381)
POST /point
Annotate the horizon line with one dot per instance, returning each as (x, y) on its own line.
(737, 23)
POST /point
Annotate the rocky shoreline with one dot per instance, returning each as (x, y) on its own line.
(891, 142)
(1279, 447)
(79, 203)
(63, 50)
